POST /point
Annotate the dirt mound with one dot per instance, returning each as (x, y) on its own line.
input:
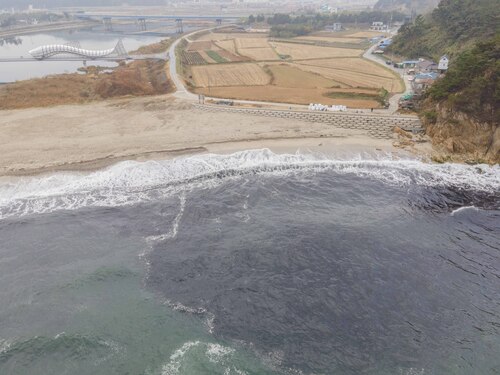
(136, 79)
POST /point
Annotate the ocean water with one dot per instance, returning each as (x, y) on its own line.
(252, 263)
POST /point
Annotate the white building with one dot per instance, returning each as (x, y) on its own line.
(379, 26)
(334, 27)
(443, 63)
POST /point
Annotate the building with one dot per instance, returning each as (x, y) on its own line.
(379, 26)
(423, 81)
(334, 27)
(426, 66)
(443, 64)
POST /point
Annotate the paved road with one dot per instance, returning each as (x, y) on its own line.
(394, 100)
(181, 90)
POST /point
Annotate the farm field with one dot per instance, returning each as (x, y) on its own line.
(247, 74)
(284, 95)
(286, 75)
(327, 38)
(252, 66)
(355, 79)
(366, 34)
(259, 54)
(228, 45)
(226, 36)
(303, 51)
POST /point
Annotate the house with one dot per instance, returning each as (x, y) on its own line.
(423, 81)
(334, 27)
(426, 66)
(443, 64)
(379, 26)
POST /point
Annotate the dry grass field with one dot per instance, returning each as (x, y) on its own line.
(251, 43)
(286, 75)
(200, 46)
(284, 95)
(228, 45)
(226, 36)
(245, 74)
(353, 64)
(259, 54)
(328, 38)
(302, 51)
(355, 79)
(232, 57)
(366, 34)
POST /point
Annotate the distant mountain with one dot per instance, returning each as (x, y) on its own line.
(407, 6)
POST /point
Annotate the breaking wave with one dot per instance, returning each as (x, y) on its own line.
(133, 182)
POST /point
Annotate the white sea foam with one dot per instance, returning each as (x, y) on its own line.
(172, 233)
(132, 182)
(173, 367)
(214, 353)
(460, 209)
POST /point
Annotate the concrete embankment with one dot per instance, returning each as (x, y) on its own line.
(376, 125)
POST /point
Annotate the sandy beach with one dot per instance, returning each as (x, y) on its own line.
(91, 136)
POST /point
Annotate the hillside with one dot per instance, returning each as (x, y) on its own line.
(461, 109)
(454, 26)
(406, 6)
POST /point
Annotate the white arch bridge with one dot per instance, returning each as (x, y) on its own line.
(65, 52)
(48, 51)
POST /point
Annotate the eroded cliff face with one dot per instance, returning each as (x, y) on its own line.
(457, 135)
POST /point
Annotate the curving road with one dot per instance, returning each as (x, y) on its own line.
(181, 90)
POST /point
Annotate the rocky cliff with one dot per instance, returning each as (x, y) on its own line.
(459, 136)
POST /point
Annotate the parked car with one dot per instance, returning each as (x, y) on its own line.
(388, 62)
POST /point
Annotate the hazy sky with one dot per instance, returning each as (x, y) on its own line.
(59, 3)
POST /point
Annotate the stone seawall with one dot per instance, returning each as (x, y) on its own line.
(376, 125)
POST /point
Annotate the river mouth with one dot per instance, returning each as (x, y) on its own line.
(252, 263)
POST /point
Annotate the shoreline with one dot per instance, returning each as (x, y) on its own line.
(93, 136)
(333, 146)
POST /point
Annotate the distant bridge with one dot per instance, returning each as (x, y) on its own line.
(141, 19)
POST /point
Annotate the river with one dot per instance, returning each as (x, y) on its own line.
(19, 47)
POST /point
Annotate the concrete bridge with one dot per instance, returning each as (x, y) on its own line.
(142, 19)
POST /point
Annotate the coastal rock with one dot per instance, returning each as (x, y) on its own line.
(458, 133)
